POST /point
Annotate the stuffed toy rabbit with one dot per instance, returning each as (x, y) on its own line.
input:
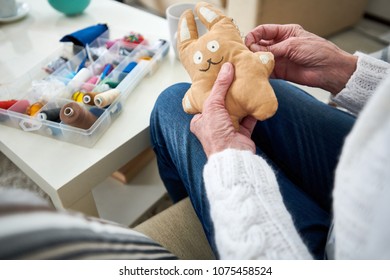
(202, 57)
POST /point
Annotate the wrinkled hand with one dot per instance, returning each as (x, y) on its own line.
(214, 128)
(303, 57)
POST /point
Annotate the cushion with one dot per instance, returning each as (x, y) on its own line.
(37, 231)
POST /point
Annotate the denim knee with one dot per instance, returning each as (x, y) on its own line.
(170, 99)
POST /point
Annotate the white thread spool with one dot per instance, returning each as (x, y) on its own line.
(81, 77)
(106, 98)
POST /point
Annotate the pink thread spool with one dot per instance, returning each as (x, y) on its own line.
(20, 106)
(90, 84)
(106, 98)
(73, 114)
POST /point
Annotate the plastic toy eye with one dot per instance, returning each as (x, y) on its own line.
(213, 46)
(198, 57)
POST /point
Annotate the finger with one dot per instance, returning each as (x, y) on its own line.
(273, 32)
(259, 48)
(222, 84)
(247, 125)
(264, 32)
(280, 49)
(194, 123)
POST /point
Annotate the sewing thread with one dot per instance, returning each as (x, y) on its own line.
(88, 98)
(20, 106)
(81, 77)
(90, 84)
(78, 96)
(33, 109)
(106, 98)
(50, 115)
(75, 115)
(7, 103)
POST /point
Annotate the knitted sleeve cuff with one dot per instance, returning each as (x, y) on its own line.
(248, 213)
(363, 83)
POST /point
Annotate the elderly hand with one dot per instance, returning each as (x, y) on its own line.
(214, 128)
(303, 57)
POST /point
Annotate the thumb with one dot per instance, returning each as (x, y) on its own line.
(222, 83)
(194, 124)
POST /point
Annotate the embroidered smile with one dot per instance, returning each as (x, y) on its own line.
(210, 63)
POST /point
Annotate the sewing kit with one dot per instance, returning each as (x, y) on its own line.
(77, 92)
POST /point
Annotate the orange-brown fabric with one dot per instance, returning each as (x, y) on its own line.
(202, 57)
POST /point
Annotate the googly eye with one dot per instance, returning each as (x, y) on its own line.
(198, 57)
(213, 46)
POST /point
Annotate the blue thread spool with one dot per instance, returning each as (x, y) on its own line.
(129, 67)
(97, 111)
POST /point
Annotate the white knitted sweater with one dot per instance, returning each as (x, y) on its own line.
(249, 216)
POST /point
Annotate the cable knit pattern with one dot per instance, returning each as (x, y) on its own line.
(249, 216)
(250, 219)
(362, 192)
(363, 83)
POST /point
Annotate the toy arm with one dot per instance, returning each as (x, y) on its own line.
(267, 59)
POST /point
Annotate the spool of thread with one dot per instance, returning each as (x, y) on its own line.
(111, 84)
(78, 96)
(90, 84)
(75, 115)
(106, 98)
(81, 77)
(129, 67)
(88, 98)
(101, 88)
(33, 109)
(50, 115)
(20, 106)
(97, 111)
(6, 104)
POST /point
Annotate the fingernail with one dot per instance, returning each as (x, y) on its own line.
(225, 68)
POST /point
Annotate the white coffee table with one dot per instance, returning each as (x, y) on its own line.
(67, 172)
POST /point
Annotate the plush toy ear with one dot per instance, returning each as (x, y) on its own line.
(208, 15)
(187, 30)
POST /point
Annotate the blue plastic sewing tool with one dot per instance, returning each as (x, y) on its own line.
(107, 69)
(82, 64)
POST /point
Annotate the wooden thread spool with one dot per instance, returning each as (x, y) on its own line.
(73, 114)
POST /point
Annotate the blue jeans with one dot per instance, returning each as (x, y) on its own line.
(302, 142)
